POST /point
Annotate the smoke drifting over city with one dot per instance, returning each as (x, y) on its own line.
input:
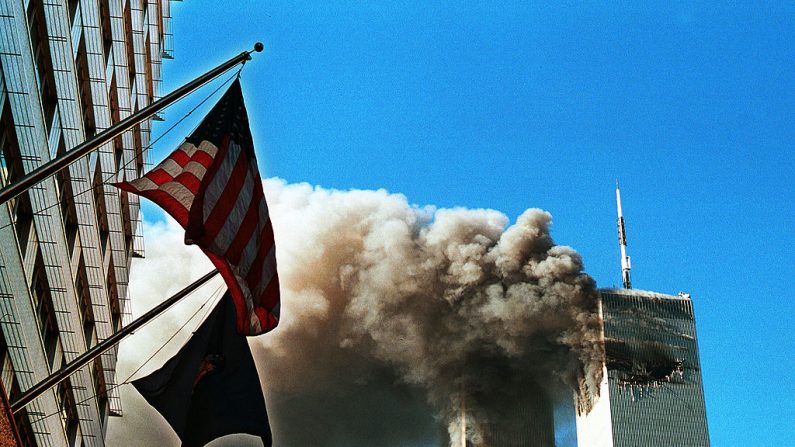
(453, 305)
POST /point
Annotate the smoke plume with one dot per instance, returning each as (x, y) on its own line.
(425, 310)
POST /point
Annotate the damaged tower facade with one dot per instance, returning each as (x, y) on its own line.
(652, 393)
(68, 70)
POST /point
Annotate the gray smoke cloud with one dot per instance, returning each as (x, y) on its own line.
(396, 316)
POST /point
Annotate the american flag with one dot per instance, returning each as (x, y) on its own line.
(212, 187)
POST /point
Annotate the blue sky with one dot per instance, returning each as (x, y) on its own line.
(512, 105)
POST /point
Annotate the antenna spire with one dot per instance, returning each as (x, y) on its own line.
(622, 242)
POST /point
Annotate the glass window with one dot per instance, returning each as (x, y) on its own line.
(68, 410)
(48, 327)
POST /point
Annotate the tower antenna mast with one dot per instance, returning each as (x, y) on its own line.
(622, 241)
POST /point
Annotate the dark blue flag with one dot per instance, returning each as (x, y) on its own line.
(210, 388)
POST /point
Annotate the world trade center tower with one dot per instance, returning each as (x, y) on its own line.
(651, 393)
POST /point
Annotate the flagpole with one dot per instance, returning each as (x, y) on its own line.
(55, 165)
(58, 376)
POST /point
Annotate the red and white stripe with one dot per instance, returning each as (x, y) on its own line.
(215, 193)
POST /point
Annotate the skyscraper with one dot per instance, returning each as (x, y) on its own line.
(69, 69)
(652, 393)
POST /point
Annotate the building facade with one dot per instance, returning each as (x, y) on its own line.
(652, 393)
(70, 69)
(525, 421)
